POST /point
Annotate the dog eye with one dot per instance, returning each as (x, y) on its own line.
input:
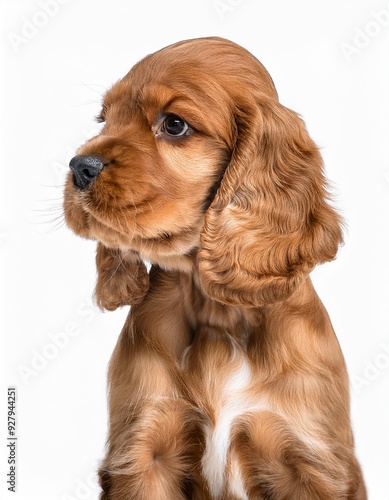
(175, 126)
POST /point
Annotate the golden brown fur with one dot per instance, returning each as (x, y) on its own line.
(227, 381)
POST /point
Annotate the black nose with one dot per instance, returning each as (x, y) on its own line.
(85, 170)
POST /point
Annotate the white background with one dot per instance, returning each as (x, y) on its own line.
(52, 80)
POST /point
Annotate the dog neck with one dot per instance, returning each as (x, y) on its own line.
(184, 272)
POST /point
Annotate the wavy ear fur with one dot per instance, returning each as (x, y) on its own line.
(270, 222)
(122, 278)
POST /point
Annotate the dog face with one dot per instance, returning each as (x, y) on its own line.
(166, 141)
(198, 157)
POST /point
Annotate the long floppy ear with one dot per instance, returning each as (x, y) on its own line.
(122, 278)
(270, 222)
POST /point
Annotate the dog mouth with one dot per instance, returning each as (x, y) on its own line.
(129, 205)
(121, 226)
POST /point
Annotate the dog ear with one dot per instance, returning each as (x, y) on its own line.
(270, 222)
(122, 278)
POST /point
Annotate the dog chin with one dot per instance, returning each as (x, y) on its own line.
(172, 254)
(181, 263)
(168, 252)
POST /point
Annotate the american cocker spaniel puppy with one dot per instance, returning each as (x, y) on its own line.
(227, 381)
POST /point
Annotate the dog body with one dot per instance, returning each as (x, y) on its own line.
(227, 381)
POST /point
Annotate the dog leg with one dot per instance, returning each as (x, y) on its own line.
(275, 463)
(152, 437)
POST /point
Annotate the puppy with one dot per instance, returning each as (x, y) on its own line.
(227, 381)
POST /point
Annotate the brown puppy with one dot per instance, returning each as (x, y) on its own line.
(227, 381)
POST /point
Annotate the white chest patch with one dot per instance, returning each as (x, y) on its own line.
(234, 402)
(235, 481)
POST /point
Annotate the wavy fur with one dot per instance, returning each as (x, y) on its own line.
(227, 381)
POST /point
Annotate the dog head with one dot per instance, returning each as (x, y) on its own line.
(197, 161)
